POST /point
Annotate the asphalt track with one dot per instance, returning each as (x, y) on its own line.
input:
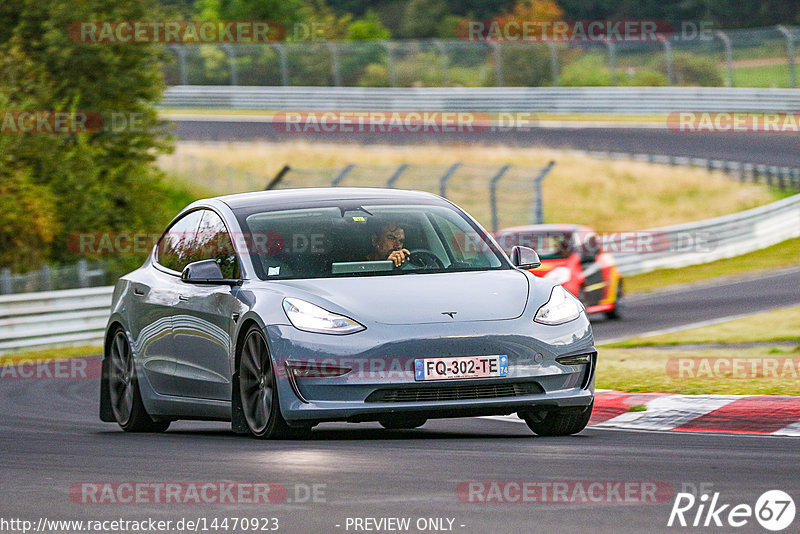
(51, 440)
(772, 149)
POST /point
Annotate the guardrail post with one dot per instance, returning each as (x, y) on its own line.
(390, 62)
(231, 53)
(181, 53)
(537, 211)
(46, 277)
(553, 62)
(396, 176)
(342, 175)
(83, 273)
(726, 41)
(335, 73)
(499, 80)
(284, 63)
(782, 178)
(612, 60)
(446, 177)
(493, 194)
(796, 179)
(789, 54)
(5, 281)
(444, 62)
(668, 59)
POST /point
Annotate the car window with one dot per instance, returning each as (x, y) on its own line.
(177, 247)
(214, 243)
(356, 240)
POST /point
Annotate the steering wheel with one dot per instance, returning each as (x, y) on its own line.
(424, 259)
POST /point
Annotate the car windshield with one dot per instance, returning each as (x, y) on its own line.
(550, 245)
(357, 240)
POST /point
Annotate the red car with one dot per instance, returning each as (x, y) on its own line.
(572, 255)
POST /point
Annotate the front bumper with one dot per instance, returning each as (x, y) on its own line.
(381, 363)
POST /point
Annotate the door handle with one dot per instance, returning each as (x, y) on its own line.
(138, 292)
(183, 297)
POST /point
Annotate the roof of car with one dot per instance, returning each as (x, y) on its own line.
(315, 194)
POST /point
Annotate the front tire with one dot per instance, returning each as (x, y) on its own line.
(558, 422)
(258, 391)
(123, 389)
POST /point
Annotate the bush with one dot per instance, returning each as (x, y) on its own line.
(691, 69)
(590, 70)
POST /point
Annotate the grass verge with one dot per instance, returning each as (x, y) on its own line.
(59, 353)
(637, 365)
(784, 254)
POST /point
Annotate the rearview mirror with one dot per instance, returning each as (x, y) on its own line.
(525, 258)
(206, 272)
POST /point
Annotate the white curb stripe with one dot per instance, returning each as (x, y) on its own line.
(670, 411)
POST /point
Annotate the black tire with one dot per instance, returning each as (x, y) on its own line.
(619, 305)
(123, 389)
(558, 422)
(258, 394)
(402, 423)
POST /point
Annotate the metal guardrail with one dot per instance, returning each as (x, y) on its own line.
(709, 240)
(52, 318)
(38, 320)
(550, 100)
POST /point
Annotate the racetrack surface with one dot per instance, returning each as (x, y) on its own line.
(700, 303)
(771, 149)
(51, 440)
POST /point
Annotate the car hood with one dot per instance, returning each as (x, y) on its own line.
(419, 298)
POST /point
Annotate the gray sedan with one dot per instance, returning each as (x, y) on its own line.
(280, 310)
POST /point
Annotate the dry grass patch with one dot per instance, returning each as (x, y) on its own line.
(607, 195)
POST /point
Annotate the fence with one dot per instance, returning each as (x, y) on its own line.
(47, 278)
(501, 194)
(50, 318)
(79, 316)
(756, 57)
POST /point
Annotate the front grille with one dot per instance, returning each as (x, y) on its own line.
(459, 392)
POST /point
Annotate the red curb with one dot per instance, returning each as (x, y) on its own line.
(762, 414)
(610, 404)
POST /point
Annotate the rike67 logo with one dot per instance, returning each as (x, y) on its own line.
(774, 510)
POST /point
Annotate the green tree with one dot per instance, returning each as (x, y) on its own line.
(100, 181)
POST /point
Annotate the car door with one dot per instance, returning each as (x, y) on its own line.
(203, 321)
(155, 296)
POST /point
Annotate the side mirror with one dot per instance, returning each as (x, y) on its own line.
(525, 258)
(205, 272)
(589, 250)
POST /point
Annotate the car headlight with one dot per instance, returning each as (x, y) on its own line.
(559, 275)
(311, 318)
(562, 307)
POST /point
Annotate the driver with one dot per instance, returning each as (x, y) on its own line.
(387, 244)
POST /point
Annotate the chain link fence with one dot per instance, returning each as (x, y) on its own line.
(496, 195)
(48, 278)
(754, 57)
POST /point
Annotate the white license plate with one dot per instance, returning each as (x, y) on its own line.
(461, 367)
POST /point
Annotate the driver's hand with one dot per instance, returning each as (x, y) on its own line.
(399, 256)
